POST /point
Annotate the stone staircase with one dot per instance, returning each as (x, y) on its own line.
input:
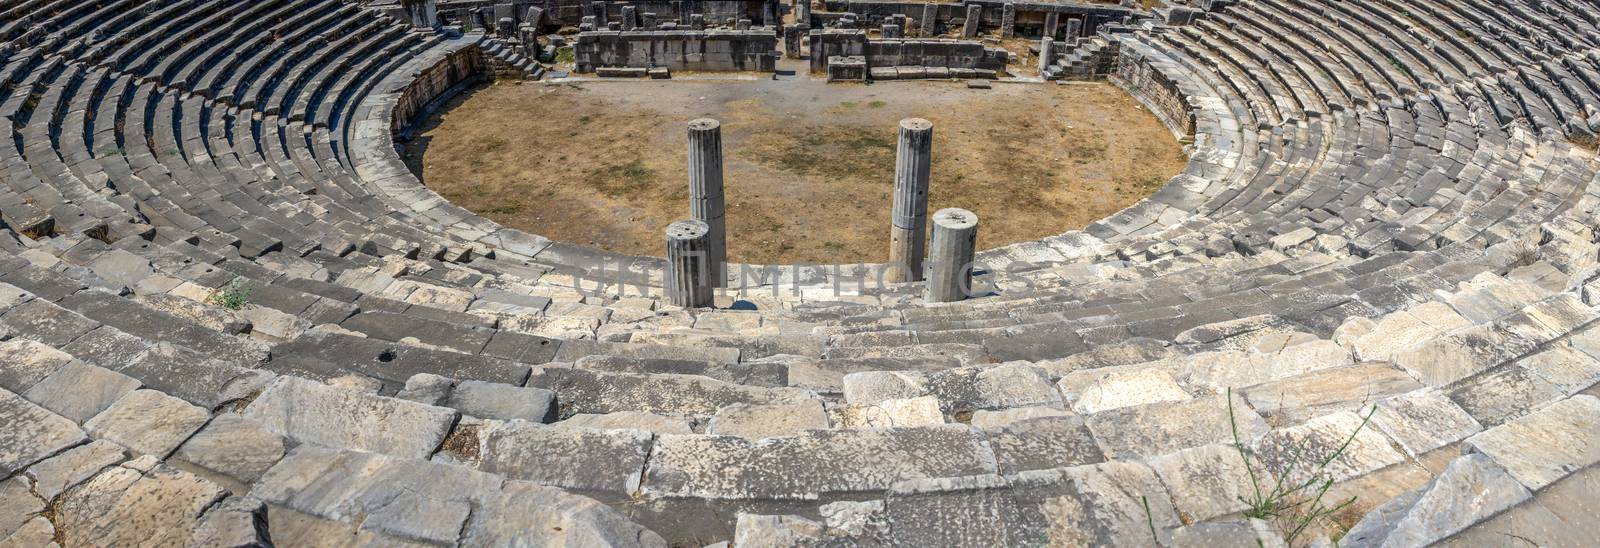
(229, 315)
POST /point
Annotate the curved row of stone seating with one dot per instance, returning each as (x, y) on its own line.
(169, 151)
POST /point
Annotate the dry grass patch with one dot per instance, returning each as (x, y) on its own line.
(809, 167)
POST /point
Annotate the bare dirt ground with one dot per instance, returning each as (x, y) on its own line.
(809, 166)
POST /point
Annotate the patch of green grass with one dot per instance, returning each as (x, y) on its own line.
(233, 296)
(877, 104)
(565, 55)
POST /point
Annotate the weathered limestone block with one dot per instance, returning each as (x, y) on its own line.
(765, 421)
(1208, 481)
(307, 411)
(234, 446)
(1471, 489)
(1156, 429)
(806, 466)
(141, 502)
(891, 413)
(594, 392)
(1298, 399)
(1096, 393)
(80, 391)
(55, 475)
(148, 422)
(28, 362)
(630, 420)
(969, 28)
(1546, 445)
(1423, 420)
(501, 401)
(572, 458)
(1045, 442)
(1092, 504)
(1301, 447)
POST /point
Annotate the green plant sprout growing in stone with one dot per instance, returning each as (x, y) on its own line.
(1292, 506)
(232, 296)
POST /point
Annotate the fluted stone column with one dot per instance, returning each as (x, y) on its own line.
(955, 239)
(688, 274)
(969, 29)
(705, 193)
(908, 236)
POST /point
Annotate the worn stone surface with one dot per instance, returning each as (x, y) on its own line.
(805, 466)
(1424, 420)
(1232, 533)
(1045, 442)
(1299, 448)
(18, 504)
(28, 362)
(56, 474)
(80, 391)
(919, 411)
(1144, 432)
(573, 458)
(765, 421)
(308, 411)
(501, 401)
(427, 389)
(1099, 503)
(138, 503)
(1298, 399)
(32, 433)
(1470, 489)
(1503, 393)
(1123, 389)
(591, 392)
(1545, 445)
(630, 420)
(1208, 481)
(875, 386)
(235, 446)
(990, 419)
(148, 422)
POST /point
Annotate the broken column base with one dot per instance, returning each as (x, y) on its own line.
(851, 68)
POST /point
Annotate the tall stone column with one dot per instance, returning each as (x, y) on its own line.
(1074, 30)
(802, 12)
(1051, 21)
(1047, 51)
(974, 21)
(908, 236)
(705, 193)
(688, 274)
(955, 239)
(930, 16)
(598, 10)
(1008, 20)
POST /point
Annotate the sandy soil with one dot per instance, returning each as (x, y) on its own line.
(809, 166)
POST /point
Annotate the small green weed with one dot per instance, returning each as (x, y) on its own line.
(232, 296)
